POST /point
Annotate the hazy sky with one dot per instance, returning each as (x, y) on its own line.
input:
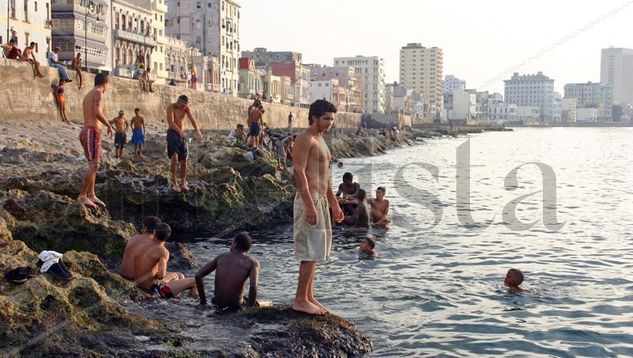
(483, 41)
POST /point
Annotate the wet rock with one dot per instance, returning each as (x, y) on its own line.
(43, 310)
(55, 222)
(283, 332)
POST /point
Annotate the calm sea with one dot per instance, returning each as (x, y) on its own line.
(462, 217)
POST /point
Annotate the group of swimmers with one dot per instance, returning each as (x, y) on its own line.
(352, 199)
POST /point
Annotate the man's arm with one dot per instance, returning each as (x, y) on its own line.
(98, 105)
(299, 163)
(340, 190)
(386, 212)
(253, 278)
(172, 123)
(162, 265)
(193, 122)
(200, 275)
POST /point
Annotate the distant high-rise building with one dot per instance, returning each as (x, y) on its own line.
(212, 26)
(533, 91)
(422, 71)
(617, 71)
(592, 95)
(452, 84)
(371, 69)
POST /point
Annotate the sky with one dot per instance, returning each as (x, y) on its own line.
(484, 42)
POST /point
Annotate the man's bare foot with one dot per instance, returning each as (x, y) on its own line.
(96, 200)
(175, 187)
(85, 201)
(318, 304)
(309, 308)
(185, 186)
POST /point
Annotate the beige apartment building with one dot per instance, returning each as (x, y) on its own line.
(422, 71)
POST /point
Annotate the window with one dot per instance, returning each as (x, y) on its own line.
(36, 6)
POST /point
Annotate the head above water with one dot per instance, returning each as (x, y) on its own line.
(348, 178)
(163, 232)
(321, 113)
(149, 224)
(514, 278)
(242, 242)
(367, 244)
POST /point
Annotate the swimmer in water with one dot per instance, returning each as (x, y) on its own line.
(514, 278)
(366, 249)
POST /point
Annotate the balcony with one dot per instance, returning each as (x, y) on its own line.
(134, 37)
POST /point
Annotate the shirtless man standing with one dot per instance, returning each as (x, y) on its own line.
(145, 262)
(255, 126)
(90, 138)
(120, 135)
(314, 198)
(380, 208)
(232, 269)
(177, 150)
(138, 132)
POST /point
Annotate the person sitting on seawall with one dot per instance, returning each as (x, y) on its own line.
(514, 278)
(28, 55)
(359, 218)
(145, 262)
(11, 50)
(53, 61)
(380, 208)
(366, 249)
(232, 269)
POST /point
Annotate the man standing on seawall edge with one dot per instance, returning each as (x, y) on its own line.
(90, 138)
(312, 227)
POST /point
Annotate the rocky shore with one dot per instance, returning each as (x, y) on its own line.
(40, 168)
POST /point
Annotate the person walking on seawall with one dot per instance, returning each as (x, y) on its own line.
(291, 119)
(311, 211)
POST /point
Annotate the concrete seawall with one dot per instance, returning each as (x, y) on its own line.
(23, 97)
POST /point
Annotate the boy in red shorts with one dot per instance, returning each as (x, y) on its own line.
(90, 138)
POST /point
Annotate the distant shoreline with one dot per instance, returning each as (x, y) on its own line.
(571, 125)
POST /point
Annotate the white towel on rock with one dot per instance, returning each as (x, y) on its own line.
(48, 258)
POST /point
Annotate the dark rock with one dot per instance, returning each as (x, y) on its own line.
(283, 332)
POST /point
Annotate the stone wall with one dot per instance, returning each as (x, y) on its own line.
(23, 97)
(399, 120)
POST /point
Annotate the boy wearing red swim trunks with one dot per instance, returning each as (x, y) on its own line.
(90, 139)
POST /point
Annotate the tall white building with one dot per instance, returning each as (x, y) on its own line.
(422, 71)
(452, 84)
(533, 91)
(28, 21)
(213, 26)
(371, 70)
(616, 70)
